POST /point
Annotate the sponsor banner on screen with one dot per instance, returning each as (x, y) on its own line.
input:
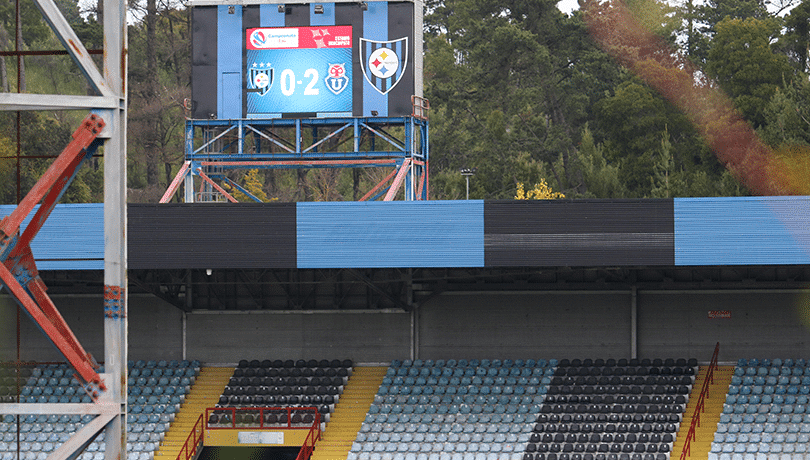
(274, 38)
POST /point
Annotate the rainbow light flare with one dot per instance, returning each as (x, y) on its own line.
(737, 146)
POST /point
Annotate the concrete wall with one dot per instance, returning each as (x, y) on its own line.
(480, 325)
(515, 326)
(154, 328)
(762, 324)
(363, 337)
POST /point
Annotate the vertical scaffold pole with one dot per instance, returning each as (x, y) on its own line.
(115, 229)
(188, 184)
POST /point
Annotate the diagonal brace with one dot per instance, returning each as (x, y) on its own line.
(184, 170)
(18, 271)
(216, 186)
(403, 171)
(379, 186)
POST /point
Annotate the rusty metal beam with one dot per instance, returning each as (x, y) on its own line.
(176, 182)
(216, 186)
(379, 185)
(18, 270)
(403, 171)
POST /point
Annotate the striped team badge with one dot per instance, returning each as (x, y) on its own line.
(261, 78)
(384, 62)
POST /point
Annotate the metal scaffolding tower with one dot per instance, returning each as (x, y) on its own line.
(214, 147)
(105, 126)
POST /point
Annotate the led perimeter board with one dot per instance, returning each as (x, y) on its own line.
(300, 60)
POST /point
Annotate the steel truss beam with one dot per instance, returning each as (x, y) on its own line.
(18, 270)
(216, 146)
(19, 274)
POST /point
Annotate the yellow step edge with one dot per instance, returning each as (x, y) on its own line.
(205, 392)
(349, 413)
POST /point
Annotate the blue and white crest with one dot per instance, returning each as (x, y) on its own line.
(336, 79)
(260, 78)
(384, 62)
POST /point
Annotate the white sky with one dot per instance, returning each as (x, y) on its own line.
(566, 6)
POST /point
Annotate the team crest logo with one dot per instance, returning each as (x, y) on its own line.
(336, 79)
(261, 78)
(384, 62)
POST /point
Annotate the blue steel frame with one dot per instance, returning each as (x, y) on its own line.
(213, 147)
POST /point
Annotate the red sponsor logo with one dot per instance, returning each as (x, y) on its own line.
(299, 37)
(719, 314)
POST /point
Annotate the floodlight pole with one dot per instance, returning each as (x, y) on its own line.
(467, 173)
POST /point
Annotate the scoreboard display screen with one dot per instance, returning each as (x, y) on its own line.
(292, 70)
(292, 59)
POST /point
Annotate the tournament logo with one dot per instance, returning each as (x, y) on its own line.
(260, 77)
(258, 39)
(384, 62)
(336, 79)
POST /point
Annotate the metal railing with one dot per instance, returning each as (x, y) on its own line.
(309, 443)
(229, 418)
(421, 107)
(700, 406)
(193, 442)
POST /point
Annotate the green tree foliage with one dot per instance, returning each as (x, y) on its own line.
(745, 66)
(795, 42)
(159, 81)
(509, 86)
(702, 18)
(596, 177)
(8, 179)
(518, 90)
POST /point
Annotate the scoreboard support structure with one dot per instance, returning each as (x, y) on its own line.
(214, 147)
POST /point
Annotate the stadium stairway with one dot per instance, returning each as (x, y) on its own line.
(713, 407)
(204, 393)
(350, 411)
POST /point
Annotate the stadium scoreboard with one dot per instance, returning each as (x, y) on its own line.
(295, 60)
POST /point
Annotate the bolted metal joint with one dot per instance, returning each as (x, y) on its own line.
(93, 388)
(113, 305)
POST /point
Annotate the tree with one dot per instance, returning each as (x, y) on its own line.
(597, 178)
(253, 182)
(160, 76)
(663, 170)
(795, 42)
(744, 65)
(509, 87)
(704, 18)
(32, 30)
(633, 122)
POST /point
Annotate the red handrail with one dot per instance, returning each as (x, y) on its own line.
(700, 406)
(309, 443)
(193, 441)
(261, 411)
